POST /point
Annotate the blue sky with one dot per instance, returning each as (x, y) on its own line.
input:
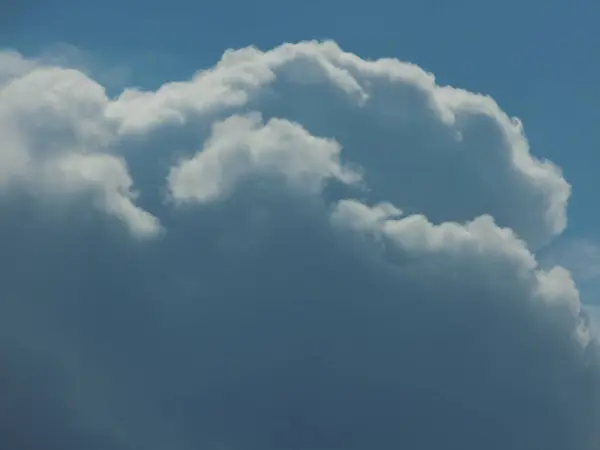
(306, 247)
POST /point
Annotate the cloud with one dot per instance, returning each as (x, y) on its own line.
(337, 253)
(594, 318)
(58, 140)
(12, 65)
(444, 152)
(580, 256)
(241, 146)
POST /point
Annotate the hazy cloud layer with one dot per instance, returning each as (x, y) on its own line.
(296, 249)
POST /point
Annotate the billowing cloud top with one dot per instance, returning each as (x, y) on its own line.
(319, 252)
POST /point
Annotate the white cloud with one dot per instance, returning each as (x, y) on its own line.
(580, 256)
(12, 65)
(444, 152)
(111, 184)
(242, 146)
(408, 263)
(56, 138)
(482, 251)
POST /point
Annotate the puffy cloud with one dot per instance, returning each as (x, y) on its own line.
(581, 256)
(349, 262)
(444, 152)
(57, 139)
(240, 147)
(13, 65)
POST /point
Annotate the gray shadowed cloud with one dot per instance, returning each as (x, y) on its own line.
(318, 252)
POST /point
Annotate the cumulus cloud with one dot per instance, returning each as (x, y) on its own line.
(580, 256)
(444, 152)
(241, 146)
(12, 64)
(57, 139)
(338, 254)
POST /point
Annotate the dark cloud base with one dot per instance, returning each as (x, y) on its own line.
(252, 325)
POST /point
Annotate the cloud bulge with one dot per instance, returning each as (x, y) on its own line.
(296, 248)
